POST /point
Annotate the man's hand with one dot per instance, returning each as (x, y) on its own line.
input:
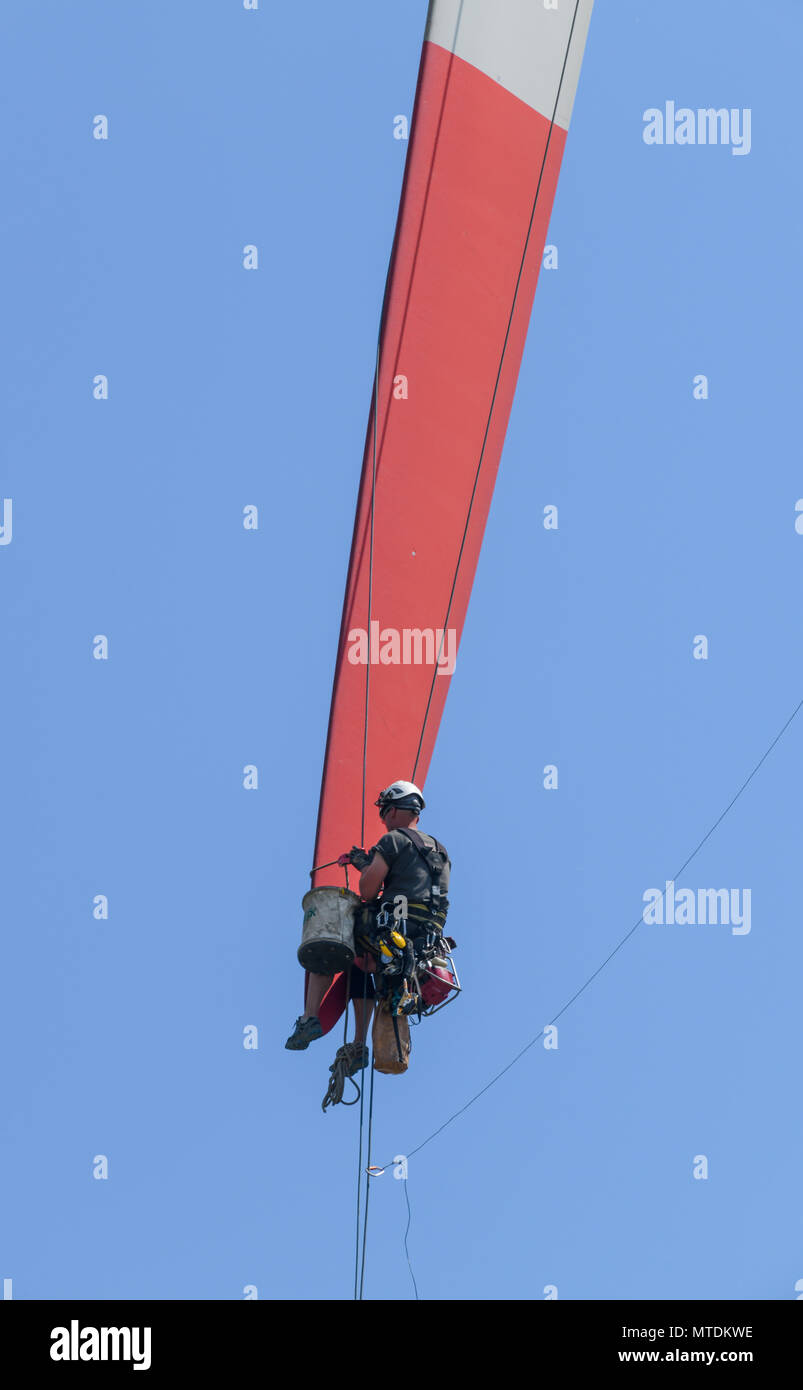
(356, 856)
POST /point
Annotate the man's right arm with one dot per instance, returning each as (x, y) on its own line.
(373, 876)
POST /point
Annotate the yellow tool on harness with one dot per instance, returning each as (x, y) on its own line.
(398, 940)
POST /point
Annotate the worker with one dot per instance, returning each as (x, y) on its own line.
(412, 870)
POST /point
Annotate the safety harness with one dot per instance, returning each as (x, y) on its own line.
(432, 912)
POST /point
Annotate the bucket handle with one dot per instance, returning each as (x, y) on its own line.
(314, 870)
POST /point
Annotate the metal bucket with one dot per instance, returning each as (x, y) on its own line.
(327, 939)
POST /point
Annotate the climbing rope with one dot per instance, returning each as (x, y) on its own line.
(367, 1181)
(359, 1263)
(359, 1152)
(340, 1073)
(371, 536)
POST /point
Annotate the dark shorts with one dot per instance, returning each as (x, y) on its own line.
(361, 986)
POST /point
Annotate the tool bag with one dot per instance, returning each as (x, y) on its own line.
(391, 1040)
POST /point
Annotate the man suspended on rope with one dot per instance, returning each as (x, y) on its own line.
(405, 879)
(412, 870)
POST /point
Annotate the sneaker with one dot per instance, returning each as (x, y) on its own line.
(305, 1032)
(357, 1055)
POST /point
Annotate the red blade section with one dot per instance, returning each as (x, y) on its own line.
(481, 173)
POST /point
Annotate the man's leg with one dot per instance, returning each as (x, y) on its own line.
(363, 1013)
(362, 991)
(308, 1026)
(317, 986)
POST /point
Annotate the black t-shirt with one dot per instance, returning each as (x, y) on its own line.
(407, 870)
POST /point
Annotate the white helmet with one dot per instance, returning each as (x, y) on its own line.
(404, 795)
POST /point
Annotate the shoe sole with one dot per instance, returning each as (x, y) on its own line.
(303, 1043)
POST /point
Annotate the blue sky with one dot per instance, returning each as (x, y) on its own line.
(124, 1037)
